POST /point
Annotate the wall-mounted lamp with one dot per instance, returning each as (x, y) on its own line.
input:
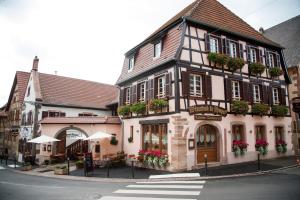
(250, 131)
(229, 131)
(271, 131)
(137, 131)
(170, 131)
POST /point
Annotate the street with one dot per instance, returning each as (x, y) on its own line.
(280, 185)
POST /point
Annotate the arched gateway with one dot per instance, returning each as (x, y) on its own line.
(207, 143)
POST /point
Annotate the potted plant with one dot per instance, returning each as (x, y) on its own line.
(239, 107)
(235, 63)
(157, 104)
(130, 139)
(262, 146)
(222, 59)
(79, 164)
(212, 57)
(138, 108)
(113, 141)
(124, 110)
(281, 146)
(279, 110)
(257, 68)
(27, 166)
(61, 170)
(275, 72)
(239, 147)
(260, 109)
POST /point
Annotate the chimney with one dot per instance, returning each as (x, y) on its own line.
(261, 30)
(35, 64)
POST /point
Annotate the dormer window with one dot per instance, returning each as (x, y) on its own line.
(157, 49)
(130, 63)
(214, 47)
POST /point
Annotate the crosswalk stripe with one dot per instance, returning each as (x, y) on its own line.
(180, 175)
(167, 186)
(162, 192)
(13, 166)
(171, 182)
(2, 167)
(138, 198)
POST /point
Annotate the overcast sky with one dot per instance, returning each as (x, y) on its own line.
(87, 39)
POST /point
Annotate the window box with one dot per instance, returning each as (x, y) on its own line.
(275, 72)
(257, 68)
(239, 147)
(138, 108)
(281, 146)
(153, 158)
(262, 146)
(279, 111)
(235, 63)
(217, 58)
(157, 105)
(260, 109)
(239, 107)
(124, 110)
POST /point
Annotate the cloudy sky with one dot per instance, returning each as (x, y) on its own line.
(88, 39)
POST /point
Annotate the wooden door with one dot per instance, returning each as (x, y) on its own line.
(61, 145)
(206, 143)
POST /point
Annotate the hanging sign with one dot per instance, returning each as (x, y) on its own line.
(216, 110)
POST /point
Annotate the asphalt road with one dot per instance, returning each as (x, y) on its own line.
(280, 185)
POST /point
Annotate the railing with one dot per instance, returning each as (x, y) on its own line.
(77, 147)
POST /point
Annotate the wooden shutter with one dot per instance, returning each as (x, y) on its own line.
(168, 86)
(282, 96)
(241, 50)
(270, 95)
(264, 94)
(151, 89)
(250, 93)
(133, 97)
(245, 90)
(147, 90)
(267, 58)
(138, 92)
(185, 84)
(44, 114)
(228, 90)
(122, 98)
(277, 60)
(208, 88)
(248, 53)
(207, 42)
(261, 58)
(220, 44)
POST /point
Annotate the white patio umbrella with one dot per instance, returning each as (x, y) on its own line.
(43, 139)
(98, 135)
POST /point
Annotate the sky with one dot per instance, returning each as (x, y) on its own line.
(87, 39)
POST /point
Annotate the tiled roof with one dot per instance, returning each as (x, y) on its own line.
(81, 120)
(65, 91)
(22, 80)
(287, 34)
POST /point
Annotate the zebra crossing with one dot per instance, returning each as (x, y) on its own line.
(161, 190)
(1, 167)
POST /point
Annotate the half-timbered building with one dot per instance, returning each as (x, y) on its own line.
(197, 105)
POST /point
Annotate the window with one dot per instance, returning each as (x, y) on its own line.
(143, 91)
(271, 59)
(86, 114)
(279, 133)
(127, 96)
(161, 87)
(131, 132)
(195, 85)
(256, 94)
(260, 133)
(157, 49)
(155, 137)
(236, 90)
(275, 96)
(232, 50)
(131, 63)
(237, 132)
(214, 47)
(252, 55)
(97, 148)
(53, 114)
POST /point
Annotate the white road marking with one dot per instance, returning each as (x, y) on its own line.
(167, 186)
(13, 166)
(171, 182)
(181, 175)
(162, 192)
(138, 198)
(1, 167)
(39, 186)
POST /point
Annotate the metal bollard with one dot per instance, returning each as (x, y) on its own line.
(205, 159)
(68, 165)
(6, 158)
(258, 162)
(15, 161)
(108, 163)
(132, 169)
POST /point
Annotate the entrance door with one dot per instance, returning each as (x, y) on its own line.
(206, 141)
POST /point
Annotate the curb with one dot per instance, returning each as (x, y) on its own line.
(124, 180)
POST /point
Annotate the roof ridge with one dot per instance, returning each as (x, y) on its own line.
(190, 12)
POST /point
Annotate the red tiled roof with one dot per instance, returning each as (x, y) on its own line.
(59, 90)
(22, 80)
(81, 120)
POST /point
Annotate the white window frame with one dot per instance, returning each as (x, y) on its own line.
(194, 83)
(253, 58)
(143, 92)
(275, 95)
(214, 45)
(271, 60)
(127, 96)
(161, 82)
(256, 94)
(157, 49)
(236, 92)
(130, 63)
(232, 49)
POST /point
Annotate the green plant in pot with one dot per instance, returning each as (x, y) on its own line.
(239, 107)
(279, 110)
(124, 110)
(222, 59)
(275, 72)
(138, 108)
(260, 109)
(212, 57)
(235, 63)
(157, 104)
(257, 68)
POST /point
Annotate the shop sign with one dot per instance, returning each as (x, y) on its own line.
(75, 134)
(208, 117)
(216, 110)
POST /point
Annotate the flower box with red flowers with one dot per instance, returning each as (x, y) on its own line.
(281, 146)
(262, 146)
(239, 147)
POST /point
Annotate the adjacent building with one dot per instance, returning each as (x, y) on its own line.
(287, 35)
(198, 104)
